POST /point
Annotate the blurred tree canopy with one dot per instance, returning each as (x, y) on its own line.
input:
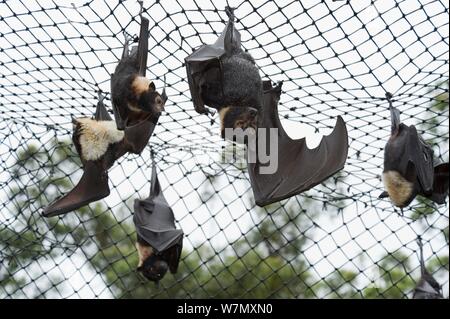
(267, 262)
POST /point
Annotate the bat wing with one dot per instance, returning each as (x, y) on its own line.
(173, 254)
(427, 288)
(420, 155)
(206, 59)
(101, 114)
(139, 55)
(142, 51)
(138, 135)
(299, 168)
(155, 229)
(407, 153)
(440, 183)
(92, 186)
(154, 218)
(118, 117)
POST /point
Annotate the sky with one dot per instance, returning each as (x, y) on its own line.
(334, 58)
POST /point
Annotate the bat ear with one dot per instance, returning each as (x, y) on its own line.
(151, 86)
(383, 195)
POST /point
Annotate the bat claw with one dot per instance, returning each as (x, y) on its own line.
(101, 97)
(210, 112)
(164, 94)
(278, 86)
(230, 12)
(141, 3)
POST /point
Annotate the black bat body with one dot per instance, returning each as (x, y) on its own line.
(427, 287)
(409, 168)
(159, 243)
(99, 144)
(134, 97)
(299, 168)
(224, 77)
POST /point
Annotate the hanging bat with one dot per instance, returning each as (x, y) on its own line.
(134, 97)
(99, 144)
(408, 166)
(159, 243)
(224, 77)
(299, 168)
(427, 287)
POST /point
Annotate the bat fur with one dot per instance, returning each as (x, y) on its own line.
(95, 137)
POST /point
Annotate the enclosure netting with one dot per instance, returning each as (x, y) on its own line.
(337, 240)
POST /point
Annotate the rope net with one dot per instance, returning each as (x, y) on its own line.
(337, 240)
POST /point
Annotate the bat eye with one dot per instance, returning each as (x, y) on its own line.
(253, 112)
(158, 100)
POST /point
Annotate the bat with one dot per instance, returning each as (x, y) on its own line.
(409, 168)
(134, 97)
(159, 243)
(99, 144)
(427, 287)
(224, 77)
(299, 168)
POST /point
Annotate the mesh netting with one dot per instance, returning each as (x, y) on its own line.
(337, 240)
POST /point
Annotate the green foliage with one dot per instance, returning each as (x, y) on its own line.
(266, 262)
(395, 281)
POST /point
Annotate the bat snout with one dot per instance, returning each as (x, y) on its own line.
(159, 104)
(154, 268)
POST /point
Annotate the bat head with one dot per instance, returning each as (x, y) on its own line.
(148, 99)
(154, 268)
(234, 117)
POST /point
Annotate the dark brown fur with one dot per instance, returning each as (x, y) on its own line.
(237, 117)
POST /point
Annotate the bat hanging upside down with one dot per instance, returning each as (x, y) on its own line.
(159, 243)
(427, 287)
(134, 97)
(224, 77)
(409, 169)
(99, 144)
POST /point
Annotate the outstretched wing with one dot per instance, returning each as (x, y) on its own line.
(299, 168)
(92, 186)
